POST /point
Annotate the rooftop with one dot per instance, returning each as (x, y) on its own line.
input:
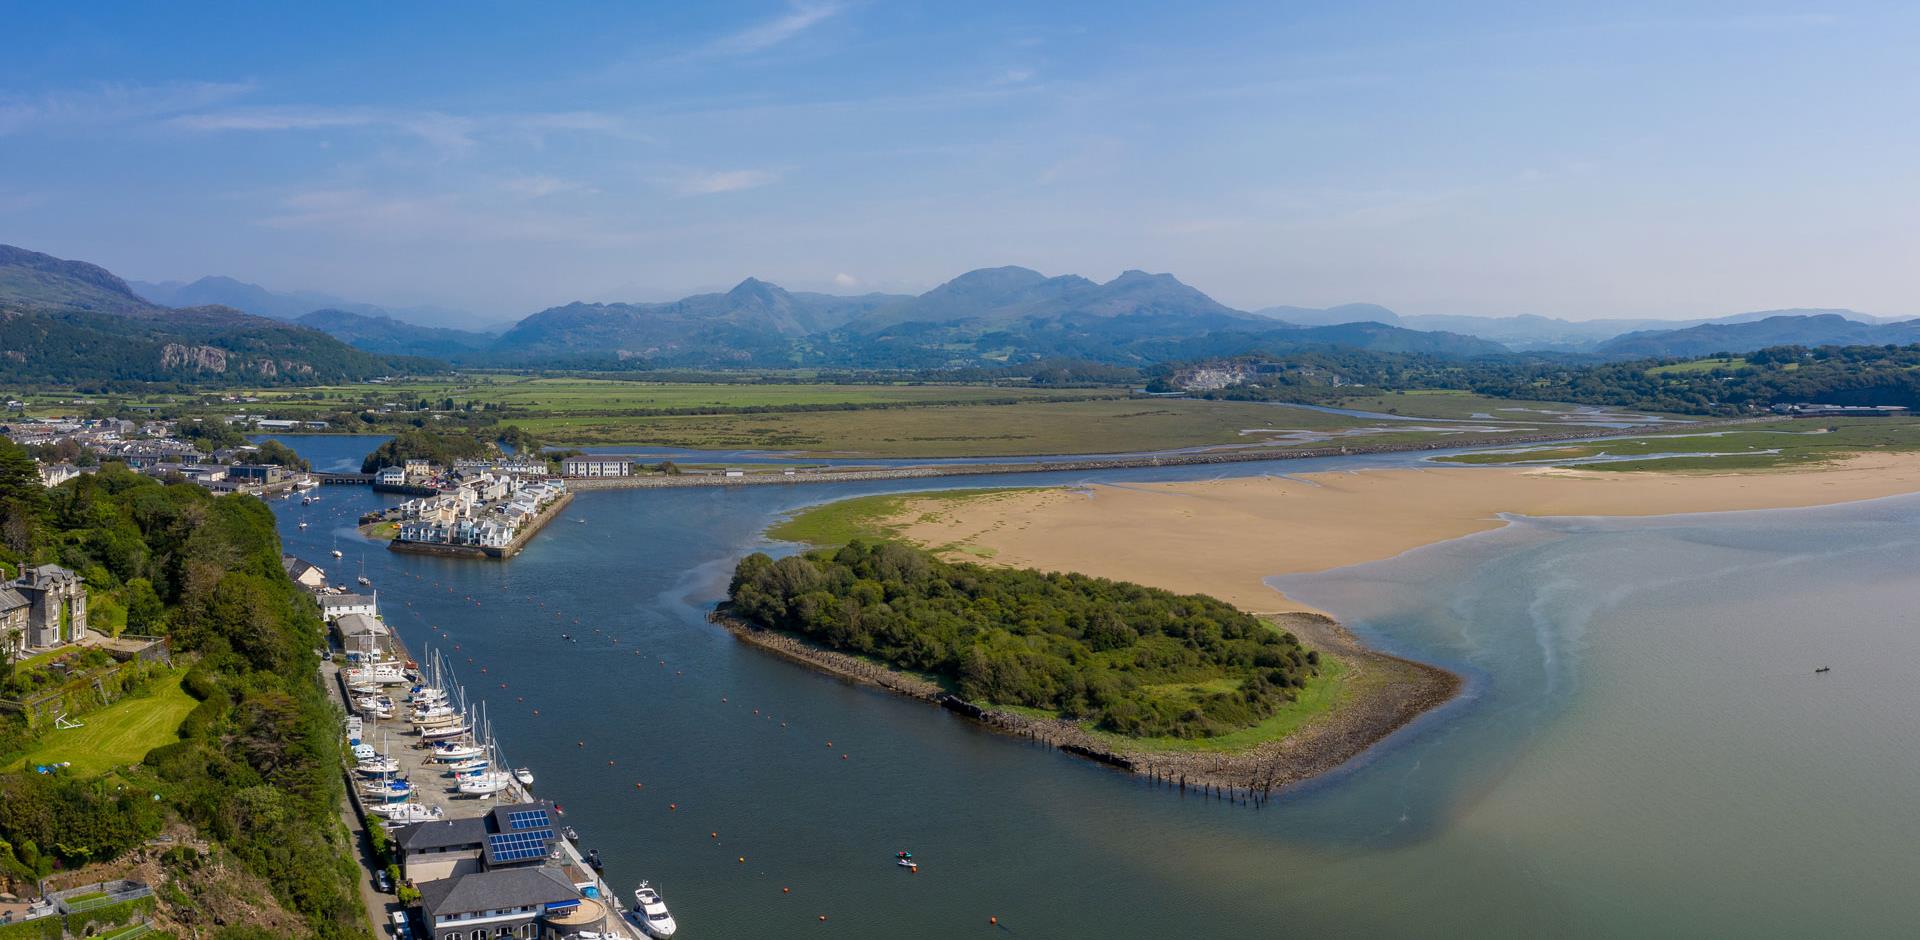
(495, 890)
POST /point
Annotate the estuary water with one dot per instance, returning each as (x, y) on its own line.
(1643, 746)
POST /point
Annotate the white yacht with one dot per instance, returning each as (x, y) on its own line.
(485, 784)
(408, 812)
(468, 766)
(524, 775)
(444, 732)
(378, 766)
(453, 752)
(652, 915)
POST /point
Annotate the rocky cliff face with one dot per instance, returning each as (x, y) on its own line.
(198, 358)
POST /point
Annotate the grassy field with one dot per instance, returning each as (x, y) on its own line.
(1321, 695)
(1699, 365)
(1070, 427)
(1784, 444)
(561, 396)
(837, 523)
(118, 735)
(1455, 405)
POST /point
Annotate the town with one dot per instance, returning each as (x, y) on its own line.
(477, 508)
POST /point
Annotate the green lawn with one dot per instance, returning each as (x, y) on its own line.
(118, 735)
(1700, 365)
(1454, 405)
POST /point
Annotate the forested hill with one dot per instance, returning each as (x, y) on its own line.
(1126, 658)
(256, 769)
(69, 322)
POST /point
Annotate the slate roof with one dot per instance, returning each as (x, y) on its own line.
(493, 890)
(344, 600)
(359, 625)
(445, 834)
(10, 599)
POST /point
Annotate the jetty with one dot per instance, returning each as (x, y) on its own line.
(422, 818)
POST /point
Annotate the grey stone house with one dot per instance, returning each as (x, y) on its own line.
(56, 605)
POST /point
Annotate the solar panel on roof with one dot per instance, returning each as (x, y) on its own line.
(516, 846)
(527, 819)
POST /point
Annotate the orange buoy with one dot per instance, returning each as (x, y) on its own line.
(637, 785)
(823, 918)
(714, 834)
(913, 869)
(994, 920)
(673, 806)
(786, 890)
(743, 859)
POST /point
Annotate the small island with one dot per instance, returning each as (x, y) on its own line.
(1181, 686)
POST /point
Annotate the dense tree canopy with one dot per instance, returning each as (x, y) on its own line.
(1131, 659)
(441, 448)
(258, 767)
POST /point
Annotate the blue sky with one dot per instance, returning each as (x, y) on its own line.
(1617, 159)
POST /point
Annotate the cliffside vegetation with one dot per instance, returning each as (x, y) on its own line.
(1129, 659)
(255, 766)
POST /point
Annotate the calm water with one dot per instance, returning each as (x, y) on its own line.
(1644, 747)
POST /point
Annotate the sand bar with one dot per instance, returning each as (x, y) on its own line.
(1223, 537)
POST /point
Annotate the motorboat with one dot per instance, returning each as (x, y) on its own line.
(362, 580)
(450, 753)
(364, 752)
(407, 812)
(652, 915)
(303, 525)
(905, 860)
(571, 835)
(485, 784)
(427, 695)
(524, 775)
(378, 766)
(432, 711)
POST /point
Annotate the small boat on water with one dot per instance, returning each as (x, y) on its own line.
(362, 579)
(303, 524)
(1822, 669)
(652, 915)
(571, 835)
(336, 553)
(905, 860)
(524, 775)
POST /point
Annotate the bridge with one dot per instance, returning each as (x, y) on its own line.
(348, 478)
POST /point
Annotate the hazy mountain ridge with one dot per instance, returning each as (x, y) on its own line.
(383, 334)
(283, 305)
(1826, 329)
(64, 322)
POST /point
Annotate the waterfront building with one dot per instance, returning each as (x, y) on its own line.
(391, 476)
(265, 473)
(493, 875)
(596, 467)
(306, 575)
(335, 606)
(357, 628)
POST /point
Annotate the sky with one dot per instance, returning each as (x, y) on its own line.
(1578, 160)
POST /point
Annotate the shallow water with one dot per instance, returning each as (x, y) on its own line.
(1643, 746)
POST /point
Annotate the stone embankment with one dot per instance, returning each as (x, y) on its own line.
(1128, 461)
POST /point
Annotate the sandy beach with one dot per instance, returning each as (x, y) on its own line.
(1223, 537)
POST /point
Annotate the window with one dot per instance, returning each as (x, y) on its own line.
(480, 934)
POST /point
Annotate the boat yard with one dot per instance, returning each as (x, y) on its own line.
(400, 783)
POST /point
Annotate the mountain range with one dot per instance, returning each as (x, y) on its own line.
(990, 316)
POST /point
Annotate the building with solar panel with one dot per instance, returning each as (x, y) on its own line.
(492, 876)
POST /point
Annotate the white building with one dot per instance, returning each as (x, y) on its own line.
(391, 476)
(595, 467)
(335, 606)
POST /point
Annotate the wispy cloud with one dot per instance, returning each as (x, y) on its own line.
(539, 186)
(442, 130)
(800, 17)
(112, 103)
(709, 182)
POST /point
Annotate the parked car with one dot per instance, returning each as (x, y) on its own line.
(383, 881)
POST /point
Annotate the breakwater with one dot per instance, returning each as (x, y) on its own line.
(1130, 461)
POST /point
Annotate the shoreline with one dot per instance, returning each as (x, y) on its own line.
(1373, 711)
(1226, 537)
